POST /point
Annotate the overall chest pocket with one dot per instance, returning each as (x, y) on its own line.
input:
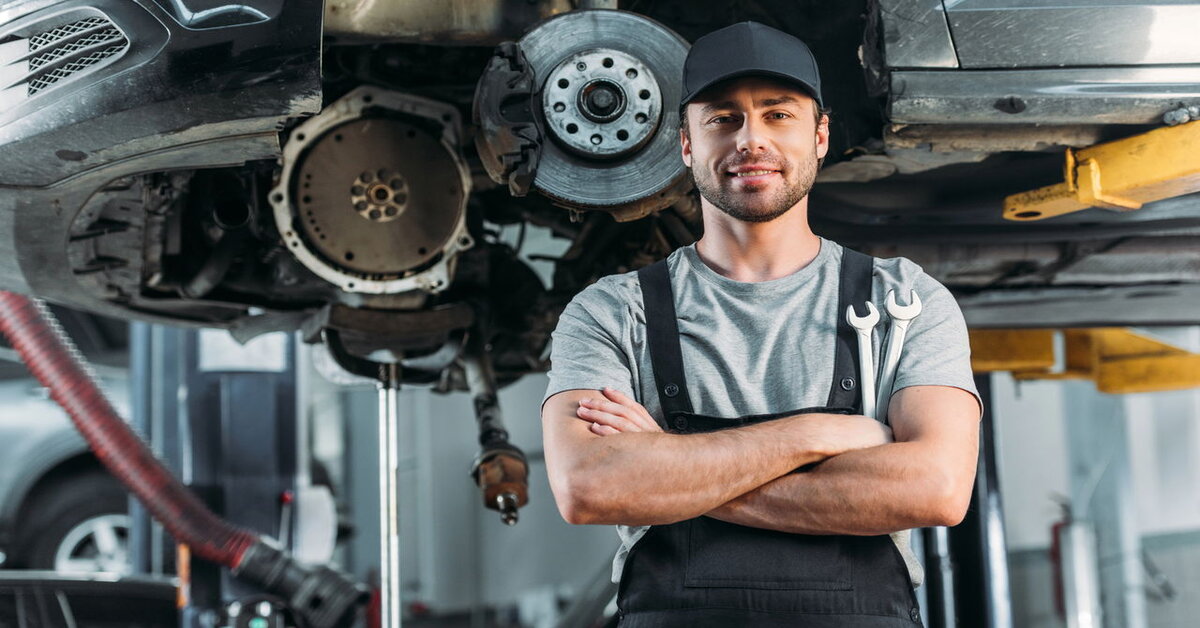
(726, 555)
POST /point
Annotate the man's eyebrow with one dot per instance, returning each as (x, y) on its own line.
(771, 102)
(716, 106)
(729, 104)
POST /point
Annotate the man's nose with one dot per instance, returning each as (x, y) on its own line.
(752, 137)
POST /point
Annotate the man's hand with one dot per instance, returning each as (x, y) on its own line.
(615, 413)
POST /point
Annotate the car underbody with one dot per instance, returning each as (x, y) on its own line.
(341, 167)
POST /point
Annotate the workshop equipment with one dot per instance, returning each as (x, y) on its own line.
(500, 470)
(901, 316)
(323, 597)
(864, 326)
(387, 376)
(1121, 175)
(1119, 361)
(583, 110)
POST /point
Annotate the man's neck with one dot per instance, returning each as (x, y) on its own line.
(757, 251)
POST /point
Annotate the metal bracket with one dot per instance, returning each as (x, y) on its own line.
(1119, 360)
(510, 136)
(1122, 175)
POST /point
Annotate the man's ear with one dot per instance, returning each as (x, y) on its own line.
(823, 137)
(685, 148)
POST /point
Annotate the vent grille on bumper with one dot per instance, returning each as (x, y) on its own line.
(53, 56)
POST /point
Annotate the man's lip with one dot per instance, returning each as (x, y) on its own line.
(755, 178)
(751, 168)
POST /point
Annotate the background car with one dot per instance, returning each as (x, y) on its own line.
(59, 509)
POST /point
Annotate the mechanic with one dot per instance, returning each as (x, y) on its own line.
(786, 517)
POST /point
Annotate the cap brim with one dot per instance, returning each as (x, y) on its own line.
(805, 87)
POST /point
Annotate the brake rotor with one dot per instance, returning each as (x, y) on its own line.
(608, 93)
(378, 196)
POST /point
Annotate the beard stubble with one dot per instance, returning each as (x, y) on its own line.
(757, 206)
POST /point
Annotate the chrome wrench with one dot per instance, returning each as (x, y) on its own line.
(901, 316)
(864, 325)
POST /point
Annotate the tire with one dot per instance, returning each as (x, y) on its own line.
(79, 523)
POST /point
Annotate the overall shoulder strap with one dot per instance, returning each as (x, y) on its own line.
(854, 287)
(662, 337)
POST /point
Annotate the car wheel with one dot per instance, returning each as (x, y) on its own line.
(80, 524)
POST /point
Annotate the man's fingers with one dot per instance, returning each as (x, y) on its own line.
(614, 421)
(626, 412)
(602, 430)
(625, 400)
(642, 415)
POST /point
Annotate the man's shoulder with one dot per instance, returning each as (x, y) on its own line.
(901, 273)
(620, 288)
(613, 289)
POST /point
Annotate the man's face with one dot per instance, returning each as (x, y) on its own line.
(753, 146)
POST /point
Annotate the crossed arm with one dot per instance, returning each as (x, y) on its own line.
(609, 462)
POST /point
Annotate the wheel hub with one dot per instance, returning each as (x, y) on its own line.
(602, 103)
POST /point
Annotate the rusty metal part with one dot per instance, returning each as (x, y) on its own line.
(373, 193)
(378, 196)
(601, 104)
(504, 484)
(648, 179)
(509, 141)
(361, 332)
(1120, 175)
(940, 138)
(500, 470)
(476, 22)
(1118, 360)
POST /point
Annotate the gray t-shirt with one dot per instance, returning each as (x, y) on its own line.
(751, 347)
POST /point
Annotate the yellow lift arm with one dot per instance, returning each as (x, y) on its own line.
(1119, 360)
(1120, 175)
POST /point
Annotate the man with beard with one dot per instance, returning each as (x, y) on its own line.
(709, 405)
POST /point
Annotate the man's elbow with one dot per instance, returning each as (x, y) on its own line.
(950, 502)
(576, 500)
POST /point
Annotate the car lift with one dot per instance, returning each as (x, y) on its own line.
(1121, 175)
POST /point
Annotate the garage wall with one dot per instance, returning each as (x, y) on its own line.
(1164, 454)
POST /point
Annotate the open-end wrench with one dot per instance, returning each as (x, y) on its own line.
(901, 316)
(864, 325)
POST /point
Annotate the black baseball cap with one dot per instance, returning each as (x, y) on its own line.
(749, 49)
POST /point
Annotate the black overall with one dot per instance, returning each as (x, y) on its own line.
(705, 573)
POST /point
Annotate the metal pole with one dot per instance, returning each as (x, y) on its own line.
(979, 555)
(389, 492)
(939, 578)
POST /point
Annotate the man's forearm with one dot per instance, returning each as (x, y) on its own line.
(609, 461)
(865, 492)
(657, 478)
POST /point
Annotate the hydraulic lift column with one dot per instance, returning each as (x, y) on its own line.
(389, 495)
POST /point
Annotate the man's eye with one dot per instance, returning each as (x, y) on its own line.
(721, 120)
(780, 115)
